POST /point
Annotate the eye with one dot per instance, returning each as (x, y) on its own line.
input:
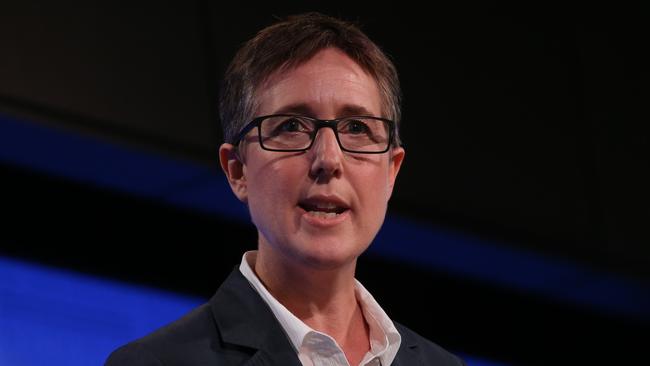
(291, 125)
(356, 127)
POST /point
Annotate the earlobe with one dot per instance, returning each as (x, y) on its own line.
(233, 167)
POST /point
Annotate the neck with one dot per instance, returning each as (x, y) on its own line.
(323, 298)
(308, 292)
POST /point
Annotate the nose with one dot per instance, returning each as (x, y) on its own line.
(326, 156)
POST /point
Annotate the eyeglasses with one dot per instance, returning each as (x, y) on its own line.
(288, 132)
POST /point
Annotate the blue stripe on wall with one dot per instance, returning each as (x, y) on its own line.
(53, 317)
(90, 160)
(494, 263)
(186, 184)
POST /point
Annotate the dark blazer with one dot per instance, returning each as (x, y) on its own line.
(236, 327)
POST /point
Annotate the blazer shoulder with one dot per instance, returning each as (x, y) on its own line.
(132, 354)
(192, 334)
(426, 351)
(234, 327)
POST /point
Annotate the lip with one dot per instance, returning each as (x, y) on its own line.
(324, 222)
(322, 198)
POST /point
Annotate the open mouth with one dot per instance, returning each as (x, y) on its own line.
(323, 209)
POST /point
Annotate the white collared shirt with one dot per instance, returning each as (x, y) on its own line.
(319, 349)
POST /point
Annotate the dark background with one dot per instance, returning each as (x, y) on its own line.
(523, 126)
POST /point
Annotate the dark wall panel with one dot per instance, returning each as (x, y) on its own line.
(137, 72)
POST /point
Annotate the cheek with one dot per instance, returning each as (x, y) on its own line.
(273, 183)
(373, 187)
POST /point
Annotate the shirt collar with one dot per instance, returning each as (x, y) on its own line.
(384, 337)
(294, 327)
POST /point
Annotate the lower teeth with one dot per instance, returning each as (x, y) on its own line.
(323, 214)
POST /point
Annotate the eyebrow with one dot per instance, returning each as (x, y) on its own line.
(305, 109)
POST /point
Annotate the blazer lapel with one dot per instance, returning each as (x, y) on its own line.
(406, 357)
(245, 320)
(407, 353)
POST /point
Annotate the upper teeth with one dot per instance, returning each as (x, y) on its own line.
(325, 206)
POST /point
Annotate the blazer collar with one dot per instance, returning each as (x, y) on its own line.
(244, 319)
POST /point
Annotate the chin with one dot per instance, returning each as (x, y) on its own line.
(329, 255)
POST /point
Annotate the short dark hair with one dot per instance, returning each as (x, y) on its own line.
(290, 43)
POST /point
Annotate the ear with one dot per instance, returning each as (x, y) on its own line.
(233, 167)
(396, 158)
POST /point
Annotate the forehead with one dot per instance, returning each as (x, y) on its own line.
(328, 85)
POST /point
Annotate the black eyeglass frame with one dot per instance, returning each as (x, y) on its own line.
(318, 124)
